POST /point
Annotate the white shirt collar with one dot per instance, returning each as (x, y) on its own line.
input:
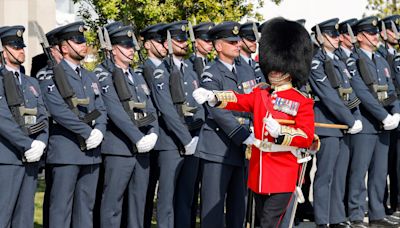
(72, 65)
(391, 50)
(368, 53)
(346, 51)
(13, 70)
(155, 61)
(229, 66)
(177, 62)
(331, 55)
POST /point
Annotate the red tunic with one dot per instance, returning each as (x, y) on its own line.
(276, 172)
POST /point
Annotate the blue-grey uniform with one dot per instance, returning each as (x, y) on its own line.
(177, 126)
(246, 31)
(125, 170)
(19, 179)
(220, 145)
(388, 52)
(335, 103)
(150, 34)
(74, 171)
(373, 155)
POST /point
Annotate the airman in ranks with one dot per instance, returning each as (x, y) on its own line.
(221, 147)
(372, 155)
(180, 121)
(132, 131)
(23, 133)
(249, 47)
(153, 43)
(73, 98)
(335, 102)
(388, 27)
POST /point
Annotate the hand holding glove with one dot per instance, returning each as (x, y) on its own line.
(202, 95)
(191, 147)
(35, 152)
(273, 127)
(356, 128)
(94, 139)
(146, 143)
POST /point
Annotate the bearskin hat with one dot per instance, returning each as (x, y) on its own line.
(285, 46)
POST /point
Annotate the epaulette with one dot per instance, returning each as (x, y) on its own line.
(46, 74)
(158, 73)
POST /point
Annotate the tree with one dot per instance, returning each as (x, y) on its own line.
(384, 7)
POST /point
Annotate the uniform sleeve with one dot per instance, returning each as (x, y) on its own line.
(9, 129)
(329, 97)
(236, 102)
(394, 107)
(115, 110)
(163, 101)
(59, 110)
(42, 116)
(302, 133)
(224, 118)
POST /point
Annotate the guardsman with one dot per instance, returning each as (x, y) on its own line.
(132, 131)
(273, 168)
(372, 157)
(73, 98)
(335, 102)
(180, 121)
(388, 51)
(153, 43)
(248, 47)
(221, 146)
(23, 133)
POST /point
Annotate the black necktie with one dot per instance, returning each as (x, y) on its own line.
(17, 77)
(373, 58)
(181, 68)
(233, 70)
(78, 71)
(250, 63)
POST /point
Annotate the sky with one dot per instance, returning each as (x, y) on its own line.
(315, 11)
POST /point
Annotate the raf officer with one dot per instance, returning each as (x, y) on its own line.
(221, 141)
(79, 123)
(132, 131)
(335, 102)
(180, 120)
(23, 133)
(373, 156)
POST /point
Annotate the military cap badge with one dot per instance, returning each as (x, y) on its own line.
(374, 23)
(235, 30)
(336, 26)
(183, 28)
(129, 33)
(81, 29)
(19, 33)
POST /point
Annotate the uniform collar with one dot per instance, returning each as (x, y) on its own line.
(72, 65)
(331, 55)
(229, 66)
(177, 62)
(346, 51)
(246, 59)
(155, 61)
(368, 53)
(13, 70)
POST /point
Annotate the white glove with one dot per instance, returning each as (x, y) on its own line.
(273, 127)
(191, 147)
(250, 140)
(390, 122)
(94, 139)
(356, 128)
(35, 152)
(146, 143)
(202, 95)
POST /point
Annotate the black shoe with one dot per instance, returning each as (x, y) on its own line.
(359, 224)
(322, 226)
(340, 225)
(395, 216)
(385, 222)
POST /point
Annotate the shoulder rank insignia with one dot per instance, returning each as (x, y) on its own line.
(158, 73)
(50, 88)
(315, 64)
(286, 106)
(160, 86)
(105, 88)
